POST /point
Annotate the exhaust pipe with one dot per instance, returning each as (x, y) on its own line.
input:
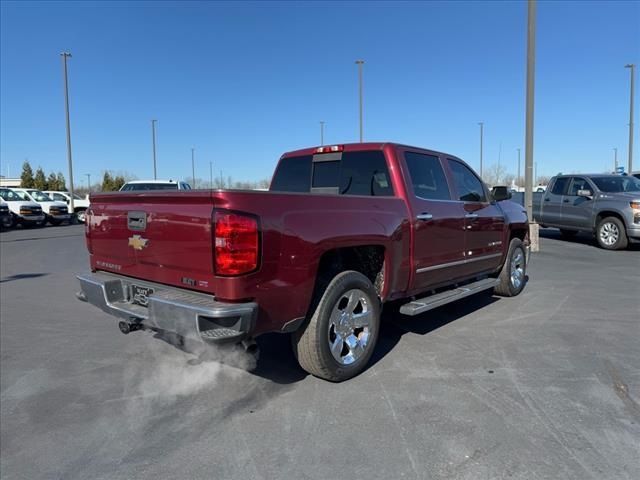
(128, 327)
(250, 346)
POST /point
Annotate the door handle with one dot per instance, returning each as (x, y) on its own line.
(471, 215)
(547, 199)
(424, 217)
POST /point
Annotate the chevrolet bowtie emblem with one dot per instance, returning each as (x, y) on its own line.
(137, 242)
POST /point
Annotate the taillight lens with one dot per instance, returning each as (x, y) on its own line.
(236, 244)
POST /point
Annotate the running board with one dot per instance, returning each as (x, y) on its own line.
(425, 304)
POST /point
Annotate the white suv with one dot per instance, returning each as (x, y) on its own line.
(55, 212)
(80, 204)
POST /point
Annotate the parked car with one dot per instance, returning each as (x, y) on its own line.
(636, 174)
(605, 205)
(146, 185)
(5, 215)
(55, 212)
(23, 212)
(342, 230)
(80, 204)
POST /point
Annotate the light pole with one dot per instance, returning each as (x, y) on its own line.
(88, 181)
(360, 63)
(64, 56)
(615, 160)
(193, 167)
(518, 179)
(632, 67)
(481, 139)
(528, 149)
(321, 133)
(153, 143)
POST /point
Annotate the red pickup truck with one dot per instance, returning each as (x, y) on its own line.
(342, 230)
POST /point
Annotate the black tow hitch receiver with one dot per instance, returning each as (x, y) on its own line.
(130, 326)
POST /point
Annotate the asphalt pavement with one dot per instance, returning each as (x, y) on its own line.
(542, 386)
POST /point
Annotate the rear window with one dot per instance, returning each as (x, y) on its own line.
(130, 187)
(356, 173)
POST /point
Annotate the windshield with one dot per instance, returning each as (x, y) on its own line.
(39, 196)
(615, 184)
(21, 196)
(9, 195)
(149, 186)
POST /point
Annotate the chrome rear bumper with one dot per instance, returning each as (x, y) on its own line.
(186, 313)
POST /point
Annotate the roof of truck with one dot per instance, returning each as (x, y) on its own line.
(351, 147)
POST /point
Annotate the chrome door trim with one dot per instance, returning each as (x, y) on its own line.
(458, 262)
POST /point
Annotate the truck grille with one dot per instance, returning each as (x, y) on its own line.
(58, 210)
(30, 210)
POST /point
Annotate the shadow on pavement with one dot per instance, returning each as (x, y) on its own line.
(22, 276)
(582, 238)
(278, 364)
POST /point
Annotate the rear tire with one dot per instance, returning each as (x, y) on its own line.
(338, 340)
(81, 215)
(513, 276)
(611, 234)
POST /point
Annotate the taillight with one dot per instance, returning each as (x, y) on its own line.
(87, 229)
(236, 243)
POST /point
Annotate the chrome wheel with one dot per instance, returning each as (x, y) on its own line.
(81, 216)
(517, 268)
(609, 233)
(350, 327)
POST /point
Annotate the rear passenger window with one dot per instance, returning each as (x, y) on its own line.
(427, 176)
(469, 186)
(560, 185)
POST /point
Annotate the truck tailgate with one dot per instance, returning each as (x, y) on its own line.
(154, 236)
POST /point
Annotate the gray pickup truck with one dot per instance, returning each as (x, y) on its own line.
(607, 205)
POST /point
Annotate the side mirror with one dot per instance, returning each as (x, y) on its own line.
(585, 193)
(500, 193)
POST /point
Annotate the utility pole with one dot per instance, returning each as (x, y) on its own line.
(211, 175)
(615, 160)
(153, 142)
(535, 176)
(632, 67)
(193, 167)
(481, 135)
(360, 63)
(499, 158)
(88, 181)
(528, 149)
(321, 133)
(518, 179)
(64, 56)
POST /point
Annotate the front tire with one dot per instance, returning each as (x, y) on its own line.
(81, 215)
(337, 342)
(513, 275)
(611, 234)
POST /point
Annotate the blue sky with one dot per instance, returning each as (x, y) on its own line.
(244, 82)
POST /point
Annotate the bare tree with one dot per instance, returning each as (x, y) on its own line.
(494, 175)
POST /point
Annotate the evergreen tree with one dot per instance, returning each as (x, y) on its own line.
(107, 182)
(26, 179)
(118, 182)
(40, 181)
(61, 183)
(52, 180)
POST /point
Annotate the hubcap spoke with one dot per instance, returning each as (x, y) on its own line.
(360, 320)
(336, 346)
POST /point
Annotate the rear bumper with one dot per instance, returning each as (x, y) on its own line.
(186, 313)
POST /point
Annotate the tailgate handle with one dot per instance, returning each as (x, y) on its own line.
(137, 220)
